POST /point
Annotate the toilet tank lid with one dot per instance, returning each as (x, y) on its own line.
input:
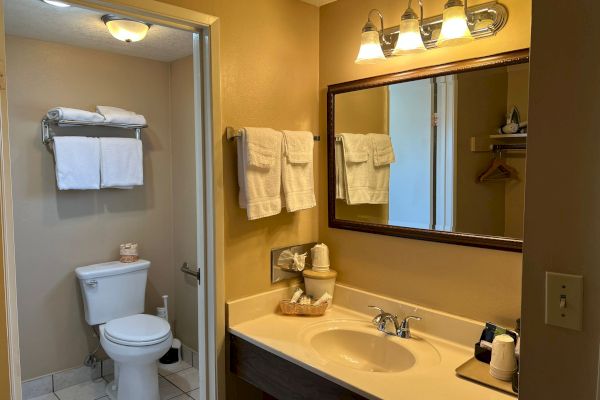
(110, 268)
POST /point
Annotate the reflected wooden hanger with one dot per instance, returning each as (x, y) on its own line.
(498, 170)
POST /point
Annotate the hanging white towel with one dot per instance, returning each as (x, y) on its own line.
(297, 170)
(73, 114)
(77, 162)
(379, 174)
(357, 167)
(116, 115)
(259, 172)
(340, 174)
(121, 163)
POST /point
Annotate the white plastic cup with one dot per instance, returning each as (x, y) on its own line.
(504, 362)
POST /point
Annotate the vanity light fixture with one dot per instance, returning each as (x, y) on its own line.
(56, 3)
(126, 30)
(409, 39)
(370, 51)
(458, 24)
(455, 27)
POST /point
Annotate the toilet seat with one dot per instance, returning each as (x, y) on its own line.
(137, 330)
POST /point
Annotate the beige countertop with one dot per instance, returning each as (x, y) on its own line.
(256, 320)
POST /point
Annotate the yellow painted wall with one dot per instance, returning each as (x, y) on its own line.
(269, 77)
(362, 111)
(477, 283)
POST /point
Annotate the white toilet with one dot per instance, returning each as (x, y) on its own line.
(113, 297)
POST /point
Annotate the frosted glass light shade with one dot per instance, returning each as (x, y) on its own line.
(454, 27)
(409, 38)
(127, 30)
(57, 3)
(370, 51)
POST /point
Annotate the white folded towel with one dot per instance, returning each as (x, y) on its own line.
(121, 163)
(357, 167)
(363, 168)
(116, 115)
(259, 172)
(297, 170)
(77, 162)
(340, 173)
(383, 151)
(73, 114)
(379, 172)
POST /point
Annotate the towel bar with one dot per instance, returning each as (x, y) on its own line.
(232, 133)
(46, 122)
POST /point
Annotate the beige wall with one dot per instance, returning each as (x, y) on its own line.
(184, 200)
(56, 231)
(563, 200)
(362, 111)
(480, 109)
(269, 77)
(455, 279)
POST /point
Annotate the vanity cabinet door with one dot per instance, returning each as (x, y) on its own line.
(280, 378)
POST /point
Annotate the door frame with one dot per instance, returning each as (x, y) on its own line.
(212, 275)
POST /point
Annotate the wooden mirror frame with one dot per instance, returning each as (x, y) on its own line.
(466, 239)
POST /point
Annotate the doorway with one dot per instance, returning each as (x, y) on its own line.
(48, 233)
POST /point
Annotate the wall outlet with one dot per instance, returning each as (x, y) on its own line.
(564, 300)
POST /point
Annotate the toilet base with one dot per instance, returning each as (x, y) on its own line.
(135, 382)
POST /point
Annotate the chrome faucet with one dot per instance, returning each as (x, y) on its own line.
(401, 329)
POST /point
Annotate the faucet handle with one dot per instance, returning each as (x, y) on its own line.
(404, 330)
(377, 319)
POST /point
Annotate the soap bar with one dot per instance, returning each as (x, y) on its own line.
(296, 296)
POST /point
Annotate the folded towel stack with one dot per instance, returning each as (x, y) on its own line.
(269, 160)
(73, 114)
(103, 114)
(114, 115)
(363, 168)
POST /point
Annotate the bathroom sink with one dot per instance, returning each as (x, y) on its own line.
(360, 346)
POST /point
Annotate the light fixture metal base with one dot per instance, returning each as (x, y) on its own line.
(492, 10)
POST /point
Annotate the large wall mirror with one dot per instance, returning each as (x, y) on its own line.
(436, 153)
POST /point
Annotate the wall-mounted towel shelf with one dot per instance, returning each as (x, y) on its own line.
(232, 133)
(46, 123)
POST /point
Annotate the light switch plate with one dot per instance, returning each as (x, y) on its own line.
(569, 288)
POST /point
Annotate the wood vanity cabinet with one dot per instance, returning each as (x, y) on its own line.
(280, 378)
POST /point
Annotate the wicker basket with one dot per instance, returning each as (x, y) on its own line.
(302, 309)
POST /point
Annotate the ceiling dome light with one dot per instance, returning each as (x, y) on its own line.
(56, 3)
(455, 29)
(370, 51)
(409, 40)
(124, 29)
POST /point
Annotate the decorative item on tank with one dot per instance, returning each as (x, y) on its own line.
(129, 252)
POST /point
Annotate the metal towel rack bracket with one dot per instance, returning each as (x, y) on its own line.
(47, 136)
(232, 133)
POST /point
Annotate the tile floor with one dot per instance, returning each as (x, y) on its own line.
(179, 382)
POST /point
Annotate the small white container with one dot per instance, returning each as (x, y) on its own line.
(317, 283)
(503, 363)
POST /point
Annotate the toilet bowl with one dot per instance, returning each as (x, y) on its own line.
(113, 297)
(135, 343)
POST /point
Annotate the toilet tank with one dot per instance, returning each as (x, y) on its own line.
(112, 289)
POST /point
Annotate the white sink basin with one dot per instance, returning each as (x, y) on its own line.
(360, 346)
